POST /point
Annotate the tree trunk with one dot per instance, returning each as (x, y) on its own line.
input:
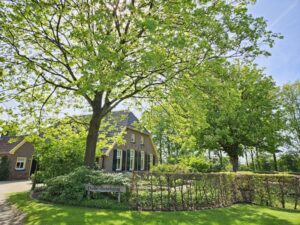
(275, 161)
(92, 139)
(160, 150)
(234, 160)
(257, 159)
(246, 157)
(252, 160)
(221, 159)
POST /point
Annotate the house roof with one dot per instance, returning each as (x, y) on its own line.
(9, 143)
(117, 121)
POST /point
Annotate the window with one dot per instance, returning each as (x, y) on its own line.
(142, 160)
(21, 163)
(119, 160)
(131, 162)
(132, 139)
(151, 160)
(142, 140)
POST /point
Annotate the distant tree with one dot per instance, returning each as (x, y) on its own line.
(97, 53)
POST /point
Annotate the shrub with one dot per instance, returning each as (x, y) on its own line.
(196, 164)
(289, 162)
(4, 168)
(70, 187)
(57, 158)
(170, 168)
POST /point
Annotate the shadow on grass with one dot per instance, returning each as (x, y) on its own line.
(43, 214)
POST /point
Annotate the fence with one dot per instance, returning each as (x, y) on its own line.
(174, 192)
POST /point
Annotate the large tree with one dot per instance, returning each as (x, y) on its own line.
(56, 53)
(228, 107)
(290, 95)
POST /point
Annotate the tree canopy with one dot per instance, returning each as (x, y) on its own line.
(58, 56)
(228, 108)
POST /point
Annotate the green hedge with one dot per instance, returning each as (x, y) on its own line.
(171, 191)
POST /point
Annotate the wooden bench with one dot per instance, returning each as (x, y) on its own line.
(105, 189)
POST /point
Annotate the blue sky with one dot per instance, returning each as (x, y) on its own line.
(283, 16)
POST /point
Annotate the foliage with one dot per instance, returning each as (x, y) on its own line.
(170, 168)
(60, 148)
(4, 168)
(71, 188)
(228, 108)
(196, 164)
(290, 95)
(60, 56)
(289, 162)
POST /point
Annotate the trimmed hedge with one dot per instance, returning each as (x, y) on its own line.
(170, 191)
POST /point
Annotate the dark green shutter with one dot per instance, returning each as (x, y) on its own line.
(128, 160)
(114, 165)
(139, 160)
(149, 166)
(146, 161)
(124, 160)
(136, 160)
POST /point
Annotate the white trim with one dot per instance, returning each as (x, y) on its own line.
(21, 159)
(151, 160)
(119, 157)
(142, 140)
(132, 137)
(131, 159)
(142, 160)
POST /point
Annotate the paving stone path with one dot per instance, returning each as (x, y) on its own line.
(9, 215)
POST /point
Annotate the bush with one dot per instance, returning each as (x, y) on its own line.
(4, 168)
(57, 158)
(289, 162)
(70, 187)
(196, 164)
(170, 168)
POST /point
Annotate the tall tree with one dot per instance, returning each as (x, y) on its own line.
(228, 107)
(244, 120)
(57, 53)
(290, 95)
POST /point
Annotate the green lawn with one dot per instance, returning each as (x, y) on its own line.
(43, 214)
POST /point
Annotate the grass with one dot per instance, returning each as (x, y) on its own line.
(43, 214)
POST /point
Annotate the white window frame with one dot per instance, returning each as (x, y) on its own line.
(21, 159)
(131, 159)
(142, 160)
(142, 140)
(119, 159)
(132, 138)
(151, 160)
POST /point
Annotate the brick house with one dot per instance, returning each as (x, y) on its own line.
(20, 156)
(137, 153)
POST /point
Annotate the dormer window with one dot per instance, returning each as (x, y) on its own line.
(132, 138)
(142, 140)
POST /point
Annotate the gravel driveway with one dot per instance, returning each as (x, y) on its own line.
(8, 214)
